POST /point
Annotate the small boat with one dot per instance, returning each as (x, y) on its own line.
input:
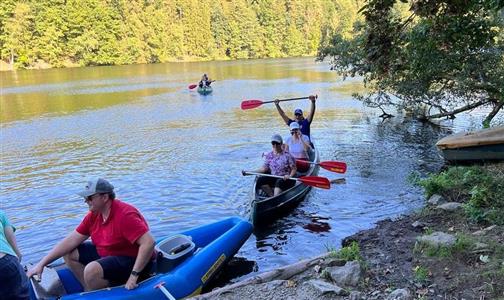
(205, 90)
(486, 144)
(185, 263)
(266, 209)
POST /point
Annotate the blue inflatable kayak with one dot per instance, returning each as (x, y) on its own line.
(186, 263)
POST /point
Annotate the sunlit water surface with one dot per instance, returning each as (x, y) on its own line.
(177, 156)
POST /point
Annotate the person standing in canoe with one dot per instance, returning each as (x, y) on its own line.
(298, 145)
(121, 247)
(13, 280)
(304, 123)
(277, 162)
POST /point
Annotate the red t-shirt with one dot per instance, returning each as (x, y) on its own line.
(117, 235)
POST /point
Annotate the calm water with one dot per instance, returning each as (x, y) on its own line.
(177, 156)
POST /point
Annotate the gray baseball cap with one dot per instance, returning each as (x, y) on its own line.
(96, 186)
(277, 138)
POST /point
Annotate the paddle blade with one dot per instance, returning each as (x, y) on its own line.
(192, 86)
(249, 104)
(334, 166)
(316, 181)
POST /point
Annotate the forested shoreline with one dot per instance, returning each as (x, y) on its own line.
(64, 33)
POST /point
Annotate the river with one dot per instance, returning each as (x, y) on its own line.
(178, 156)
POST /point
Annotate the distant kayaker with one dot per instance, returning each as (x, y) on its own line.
(121, 249)
(277, 162)
(13, 280)
(205, 81)
(304, 123)
(298, 145)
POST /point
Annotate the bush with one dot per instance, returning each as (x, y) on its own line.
(480, 189)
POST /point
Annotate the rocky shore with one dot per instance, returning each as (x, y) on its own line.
(435, 253)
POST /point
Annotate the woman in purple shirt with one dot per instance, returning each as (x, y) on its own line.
(277, 162)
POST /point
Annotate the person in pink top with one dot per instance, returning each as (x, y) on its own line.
(277, 162)
(121, 247)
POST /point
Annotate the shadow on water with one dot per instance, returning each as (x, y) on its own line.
(236, 268)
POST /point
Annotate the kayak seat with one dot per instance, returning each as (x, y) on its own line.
(172, 251)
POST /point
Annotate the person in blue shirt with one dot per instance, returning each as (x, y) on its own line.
(13, 280)
(304, 123)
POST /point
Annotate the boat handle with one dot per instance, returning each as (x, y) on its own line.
(164, 290)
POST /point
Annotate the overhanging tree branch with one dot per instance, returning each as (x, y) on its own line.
(458, 110)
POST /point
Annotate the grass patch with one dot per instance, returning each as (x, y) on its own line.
(479, 188)
(462, 246)
(348, 253)
(421, 274)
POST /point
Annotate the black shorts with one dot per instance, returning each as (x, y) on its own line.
(13, 280)
(275, 182)
(116, 269)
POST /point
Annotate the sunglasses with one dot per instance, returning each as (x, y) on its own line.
(90, 198)
(294, 131)
(297, 115)
(275, 143)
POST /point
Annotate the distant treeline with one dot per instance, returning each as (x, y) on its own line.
(110, 32)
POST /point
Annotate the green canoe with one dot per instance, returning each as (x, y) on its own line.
(205, 90)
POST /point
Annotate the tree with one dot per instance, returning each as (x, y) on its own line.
(18, 35)
(447, 57)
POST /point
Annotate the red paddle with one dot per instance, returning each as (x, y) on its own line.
(192, 86)
(315, 181)
(249, 104)
(333, 166)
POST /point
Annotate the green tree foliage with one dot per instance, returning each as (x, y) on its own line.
(445, 57)
(108, 32)
(18, 35)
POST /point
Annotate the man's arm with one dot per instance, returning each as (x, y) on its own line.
(312, 110)
(281, 112)
(146, 243)
(70, 242)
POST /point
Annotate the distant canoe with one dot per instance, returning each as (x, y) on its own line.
(205, 90)
(486, 144)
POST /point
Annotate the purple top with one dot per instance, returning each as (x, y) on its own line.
(279, 164)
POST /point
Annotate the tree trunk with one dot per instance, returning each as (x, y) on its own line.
(498, 106)
(277, 274)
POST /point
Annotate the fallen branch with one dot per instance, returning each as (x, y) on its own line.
(283, 273)
(459, 110)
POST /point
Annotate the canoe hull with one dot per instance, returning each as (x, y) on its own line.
(486, 152)
(264, 211)
(479, 145)
(205, 90)
(216, 244)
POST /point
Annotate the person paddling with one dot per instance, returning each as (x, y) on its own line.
(304, 123)
(205, 81)
(277, 162)
(298, 145)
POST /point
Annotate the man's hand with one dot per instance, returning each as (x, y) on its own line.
(37, 270)
(312, 98)
(277, 102)
(286, 177)
(131, 283)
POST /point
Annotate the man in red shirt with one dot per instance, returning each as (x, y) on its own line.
(121, 246)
